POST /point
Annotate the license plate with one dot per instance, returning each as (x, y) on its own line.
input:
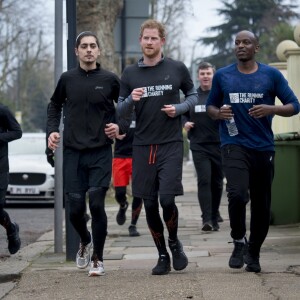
(24, 190)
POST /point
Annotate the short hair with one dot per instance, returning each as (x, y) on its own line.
(84, 34)
(153, 24)
(205, 65)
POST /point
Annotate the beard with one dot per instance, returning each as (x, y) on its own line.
(150, 53)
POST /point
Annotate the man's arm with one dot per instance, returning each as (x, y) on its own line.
(13, 128)
(262, 110)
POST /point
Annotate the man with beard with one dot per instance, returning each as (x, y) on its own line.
(151, 88)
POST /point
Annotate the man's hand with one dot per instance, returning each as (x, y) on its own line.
(112, 130)
(170, 110)
(137, 94)
(50, 157)
(188, 125)
(53, 141)
(225, 112)
(262, 110)
(121, 136)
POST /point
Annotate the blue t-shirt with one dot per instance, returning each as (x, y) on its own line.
(242, 91)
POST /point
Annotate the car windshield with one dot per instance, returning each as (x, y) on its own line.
(28, 145)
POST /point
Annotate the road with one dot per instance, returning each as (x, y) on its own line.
(33, 223)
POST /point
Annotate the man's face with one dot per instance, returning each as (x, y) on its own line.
(246, 46)
(205, 77)
(151, 43)
(88, 50)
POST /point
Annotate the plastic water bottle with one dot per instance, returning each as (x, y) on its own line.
(231, 126)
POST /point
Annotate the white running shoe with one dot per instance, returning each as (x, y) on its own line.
(97, 268)
(83, 256)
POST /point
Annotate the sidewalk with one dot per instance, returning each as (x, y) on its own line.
(39, 273)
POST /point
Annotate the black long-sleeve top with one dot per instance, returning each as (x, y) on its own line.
(163, 83)
(88, 100)
(10, 130)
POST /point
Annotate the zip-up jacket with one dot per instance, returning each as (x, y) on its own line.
(87, 99)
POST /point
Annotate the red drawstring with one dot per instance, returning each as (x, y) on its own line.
(152, 156)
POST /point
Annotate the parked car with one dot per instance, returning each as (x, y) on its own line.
(31, 178)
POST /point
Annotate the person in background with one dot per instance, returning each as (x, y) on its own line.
(10, 130)
(243, 99)
(122, 174)
(151, 88)
(87, 94)
(203, 133)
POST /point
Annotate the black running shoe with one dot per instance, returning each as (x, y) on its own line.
(252, 262)
(180, 261)
(207, 227)
(163, 266)
(121, 216)
(14, 242)
(132, 231)
(236, 260)
(215, 226)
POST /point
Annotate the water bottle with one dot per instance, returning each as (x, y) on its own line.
(231, 126)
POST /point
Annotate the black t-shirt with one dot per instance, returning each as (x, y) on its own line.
(123, 148)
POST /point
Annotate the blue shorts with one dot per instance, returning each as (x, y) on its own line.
(157, 169)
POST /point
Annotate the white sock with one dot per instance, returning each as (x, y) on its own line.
(240, 240)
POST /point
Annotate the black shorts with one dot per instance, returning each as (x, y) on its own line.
(157, 169)
(87, 168)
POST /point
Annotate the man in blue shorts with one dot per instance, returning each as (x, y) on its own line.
(151, 88)
(246, 91)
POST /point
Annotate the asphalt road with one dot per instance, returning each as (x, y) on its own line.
(33, 223)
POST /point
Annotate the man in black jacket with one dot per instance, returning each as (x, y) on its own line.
(9, 130)
(87, 94)
(203, 133)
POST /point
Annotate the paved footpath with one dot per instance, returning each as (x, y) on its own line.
(36, 272)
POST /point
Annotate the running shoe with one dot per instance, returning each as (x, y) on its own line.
(252, 262)
(180, 260)
(215, 226)
(236, 260)
(83, 256)
(163, 266)
(14, 242)
(132, 231)
(121, 216)
(207, 227)
(96, 268)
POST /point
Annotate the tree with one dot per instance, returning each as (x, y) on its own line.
(100, 17)
(24, 52)
(172, 14)
(268, 19)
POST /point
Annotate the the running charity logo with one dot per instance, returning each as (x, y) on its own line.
(156, 90)
(245, 97)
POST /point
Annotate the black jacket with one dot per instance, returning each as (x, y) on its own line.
(88, 100)
(10, 130)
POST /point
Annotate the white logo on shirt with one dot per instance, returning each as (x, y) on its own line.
(245, 97)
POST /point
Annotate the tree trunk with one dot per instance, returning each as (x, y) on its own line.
(100, 16)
